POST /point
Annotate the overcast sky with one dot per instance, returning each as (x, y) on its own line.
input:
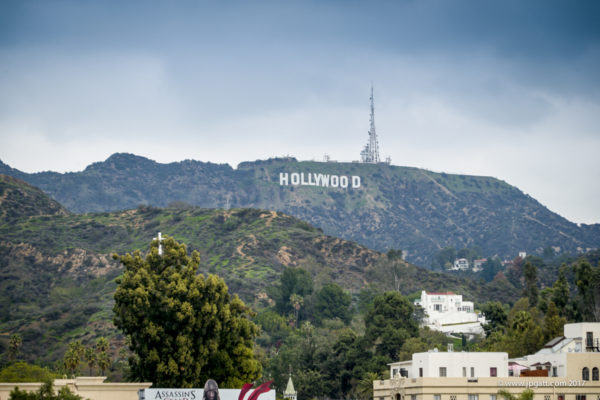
(509, 89)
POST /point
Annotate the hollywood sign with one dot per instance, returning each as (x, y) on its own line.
(322, 180)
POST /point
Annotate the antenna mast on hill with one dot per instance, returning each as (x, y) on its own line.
(370, 153)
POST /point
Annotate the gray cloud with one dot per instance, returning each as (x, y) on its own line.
(465, 86)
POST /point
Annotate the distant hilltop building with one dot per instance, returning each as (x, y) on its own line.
(448, 313)
(370, 153)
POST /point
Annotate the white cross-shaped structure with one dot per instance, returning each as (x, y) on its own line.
(160, 239)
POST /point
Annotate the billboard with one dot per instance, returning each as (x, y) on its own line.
(197, 394)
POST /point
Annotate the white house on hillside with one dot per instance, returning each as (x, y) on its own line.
(460, 264)
(447, 312)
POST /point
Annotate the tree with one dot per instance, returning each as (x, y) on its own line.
(495, 316)
(183, 328)
(73, 356)
(389, 323)
(364, 387)
(14, 346)
(548, 253)
(411, 346)
(526, 395)
(293, 281)
(21, 371)
(525, 335)
(310, 383)
(102, 344)
(560, 290)
(90, 358)
(45, 392)
(531, 276)
(296, 301)
(490, 269)
(553, 323)
(102, 358)
(444, 258)
(333, 302)
(103, 362)
(587, 280)
(394, 257)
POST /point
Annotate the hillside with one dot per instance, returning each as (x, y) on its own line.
(415, 210)
(57, 274)
(18, 200)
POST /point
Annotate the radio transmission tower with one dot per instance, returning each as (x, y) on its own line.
(370, 154)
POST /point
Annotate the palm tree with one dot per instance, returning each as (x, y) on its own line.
(90, 358)
(13, 346)
(103, 361)
(364, 387)
(102, 344)
(526, 395)
(297, 302)
(73, 356)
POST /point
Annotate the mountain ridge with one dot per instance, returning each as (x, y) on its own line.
(416, 210)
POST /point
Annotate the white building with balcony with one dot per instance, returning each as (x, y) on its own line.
(447, 312)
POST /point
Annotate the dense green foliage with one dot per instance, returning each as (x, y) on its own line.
(23, 372)
(540, 316)
(46, 392)
(396, 207)
(183, 328)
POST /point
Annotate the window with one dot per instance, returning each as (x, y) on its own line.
(437, 307)
(580, 397)
(492, 397)
(413, 397)
(472, 372)
(589, 339)
(554, 371)
(595, 373)
(547, 397)
(473, 397)
(437, 397)
(560, 397)
(452, 397)
(442, 371)
(585, 374)
(420, 372)
(493, 371)
(465, 372)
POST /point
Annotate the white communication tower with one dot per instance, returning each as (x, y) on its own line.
(370, 154)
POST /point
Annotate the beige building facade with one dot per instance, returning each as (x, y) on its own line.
(88, 387)
(580, 381)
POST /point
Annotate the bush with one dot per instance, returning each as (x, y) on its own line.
(24, 372)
